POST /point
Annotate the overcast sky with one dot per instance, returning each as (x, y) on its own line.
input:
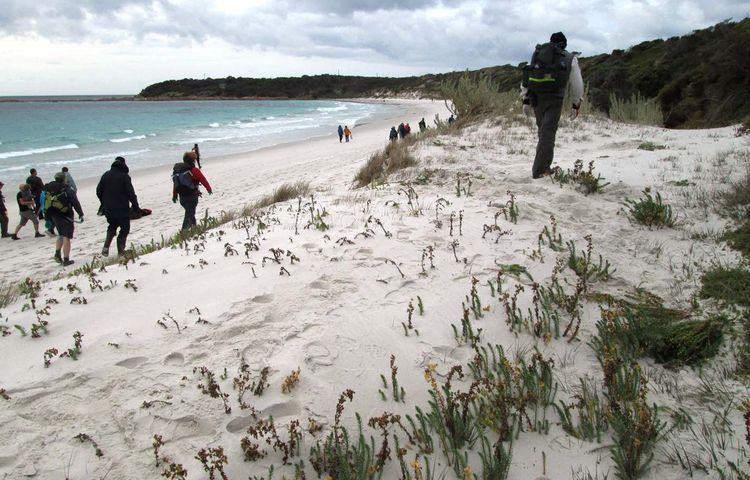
(64, 47)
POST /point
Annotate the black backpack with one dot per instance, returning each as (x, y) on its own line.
(548, 71)
(182, 178)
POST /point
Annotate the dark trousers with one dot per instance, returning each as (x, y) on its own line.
(3, 223)
(189, 202)
(123, 223)
(547, 110)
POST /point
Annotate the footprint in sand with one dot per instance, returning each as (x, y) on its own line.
(182, 427)
(363, 254)
(311, 247)
(132, 362)
(174, 358)
(453, 353)
(319, 285)
(267, 298)
(404, 234)
(318, 355)
(279, 410)
(240, 424)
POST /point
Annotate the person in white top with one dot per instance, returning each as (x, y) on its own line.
(552, 68)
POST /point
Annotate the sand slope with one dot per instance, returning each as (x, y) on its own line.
(333, 301)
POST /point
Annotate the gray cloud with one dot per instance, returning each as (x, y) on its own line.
(434, 34)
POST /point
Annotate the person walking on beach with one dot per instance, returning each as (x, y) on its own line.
(69, 179)
(197, 153)
(3, 214)
(116, 194)
(401, 131)
(422, 125)
(341, 133)
(27, 210)
(37, 185)
(60, 202)
(393, 136)
(185, 179)
(347, 133)
(543, 89)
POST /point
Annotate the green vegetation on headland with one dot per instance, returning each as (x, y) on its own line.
(699, 80)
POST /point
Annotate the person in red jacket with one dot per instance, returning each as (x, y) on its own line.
(186, 180)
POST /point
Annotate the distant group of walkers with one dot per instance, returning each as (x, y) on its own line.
(545, 80)
(57, 203)
(404, 130)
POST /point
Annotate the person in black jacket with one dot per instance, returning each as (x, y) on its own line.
(115, 192)
(61, 214)
(3, 214)
(37, 185)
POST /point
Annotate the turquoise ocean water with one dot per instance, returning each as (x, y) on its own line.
(86, 134)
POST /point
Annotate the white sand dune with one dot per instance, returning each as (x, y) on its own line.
(337, 312)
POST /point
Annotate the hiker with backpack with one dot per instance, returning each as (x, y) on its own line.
(543, 87)
(185, 181)
(116, 194)
(60, 202)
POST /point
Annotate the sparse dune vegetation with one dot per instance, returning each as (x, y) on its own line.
(445, 317)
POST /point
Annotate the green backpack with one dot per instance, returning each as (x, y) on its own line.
(548, 71)
(57, 201)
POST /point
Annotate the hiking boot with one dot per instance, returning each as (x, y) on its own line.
(38, 235)
(67, 262)
(105, 251)
(15, 237)
(6, 235)
(58, 259)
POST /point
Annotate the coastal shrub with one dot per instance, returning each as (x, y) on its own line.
(592, 413)
(743, 360)
(587, 182)
(635, 424)
(650, 211)
(736, 198)
(739, 239)
(8, 293)
(472, 96)
(651, 146)
(743, 128)
(284, 192)
(496, 459)
(637, 110)
(729, 284)
(642, 325)
(340, 455)
(395, 156)
(636, 431)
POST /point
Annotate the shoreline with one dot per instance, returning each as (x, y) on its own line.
(237, 179)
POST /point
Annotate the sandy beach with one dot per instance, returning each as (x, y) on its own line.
(385, 285)
(236, 180)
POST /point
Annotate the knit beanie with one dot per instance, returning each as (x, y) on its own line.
(559, 39)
